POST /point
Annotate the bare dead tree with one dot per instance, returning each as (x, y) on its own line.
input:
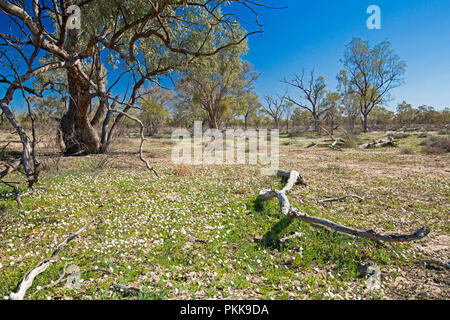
(18, 65)
(274, 107)
(312, 94)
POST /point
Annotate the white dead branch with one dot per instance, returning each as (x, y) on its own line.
(141, 134)
(43, 265)
(294, 213)
(388, 141)
(291, 178)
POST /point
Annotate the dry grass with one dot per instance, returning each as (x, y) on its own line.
(182, 170)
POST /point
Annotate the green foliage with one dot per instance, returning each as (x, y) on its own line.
(373, 72)
(220, 84)
(154, 113)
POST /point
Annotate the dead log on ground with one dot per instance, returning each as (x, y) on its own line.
(337, 144)
(388, 141)
(294, 213)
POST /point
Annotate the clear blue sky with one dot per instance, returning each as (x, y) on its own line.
(313, 34)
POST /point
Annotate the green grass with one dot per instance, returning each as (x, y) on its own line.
(203, 235)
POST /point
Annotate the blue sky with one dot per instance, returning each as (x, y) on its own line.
(313, 34)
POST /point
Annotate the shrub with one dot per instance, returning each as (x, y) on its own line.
(436, 145)
(182, 170)
(444, 132)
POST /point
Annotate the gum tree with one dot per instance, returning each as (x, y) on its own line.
(372, 72)
(213, 82)
(128, 42)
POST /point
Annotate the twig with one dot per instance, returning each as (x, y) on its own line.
(342, 198)
(437, 263)
(28, 279)
(126, 289)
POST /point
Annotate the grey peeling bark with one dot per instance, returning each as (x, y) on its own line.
(78, 133)
(103, 100)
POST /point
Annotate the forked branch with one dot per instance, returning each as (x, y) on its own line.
(294, 213)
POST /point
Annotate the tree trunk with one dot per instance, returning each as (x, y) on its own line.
(316, 124)
(364, 122)
(26, 145)
(78, 133)
(351, 124)
(213, 123)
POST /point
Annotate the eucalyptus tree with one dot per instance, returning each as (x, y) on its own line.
(373, 72)
(154, 108)
(312, 94)
(212, 82)
(332, 102)
(248, 105)
(349, 100)
(131, 43)
(405, 113)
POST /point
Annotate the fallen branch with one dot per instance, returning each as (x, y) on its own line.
(438, 263)
(54, 283)
(291, 179)
(125, 289)
(10, 168)
(337, 142)
(388, 141)
(28, 279)
(294, 213)
(62, 278)
(342, 198)
(369, 234)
